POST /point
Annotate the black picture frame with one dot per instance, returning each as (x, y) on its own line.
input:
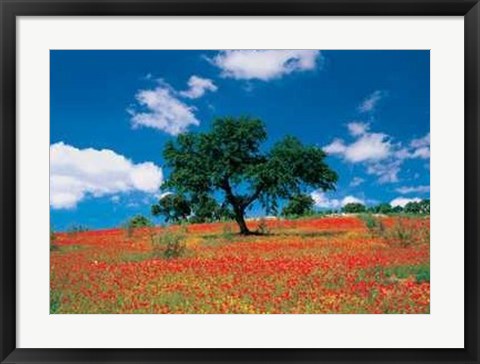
(9, 353)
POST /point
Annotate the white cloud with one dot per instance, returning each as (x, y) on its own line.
(321, 200)
(418, 148)
(351, 199)
(78, 173)
(421, 142)
(371, 101)
(386, 171)
(357, 128)
(423, 153)
(264, 65)
(368, 147)
(421, 147)
(197, 87)
(402, 201)
(357, 181)
(416, 189)
(162, 108)
(336, 147)
(381, 157)
(163, 111)
(372, 149)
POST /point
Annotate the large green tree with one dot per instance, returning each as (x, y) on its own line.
(229, 159)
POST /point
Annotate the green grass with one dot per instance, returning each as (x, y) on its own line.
(55, 300)
(69, 248)
(420, 272)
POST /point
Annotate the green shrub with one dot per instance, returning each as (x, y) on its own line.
(139, 221)
(423, 275)
(227, 233)
(354, 208)
(136, 222)
(402, 232)
(168, 244)
(299, 205)
(55, 301)
(374, 224)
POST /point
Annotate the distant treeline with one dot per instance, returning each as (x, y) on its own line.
(177, 208)
(304, 205)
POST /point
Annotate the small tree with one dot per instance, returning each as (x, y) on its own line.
(173, 207)
(421, 207)
(229, 159)
(397, 209)
(136, 222)
(299, 205)
(425, 207)
(139, 221)
(354, 208)
(384, 208)
(206, 208)
(412, 207)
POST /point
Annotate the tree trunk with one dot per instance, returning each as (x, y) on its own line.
(241, 222)
(238, 207)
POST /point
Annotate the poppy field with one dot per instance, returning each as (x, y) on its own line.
(316, 265)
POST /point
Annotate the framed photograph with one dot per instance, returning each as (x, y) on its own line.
(239, 181)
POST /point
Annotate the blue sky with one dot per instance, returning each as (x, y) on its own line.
(112, 112)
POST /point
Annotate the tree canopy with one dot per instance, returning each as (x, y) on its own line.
(299, 205)
(229, 159)
(139, 221)
(421, 207)
(354, 208)
(173, 207)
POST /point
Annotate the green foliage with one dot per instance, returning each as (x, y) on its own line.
(229, 158)
(420, 272)
(207, 209)
(136, 222)
(423, 275)
(299, 205)
(374, 224)
(139, 221)
(383, 208)
(425, 207)
(173, 207)
(168, 244)
(354, 208)
(55, 301)
(397, 209)
(411, 208)
(227, 233)
(402, 232)
(418, 208)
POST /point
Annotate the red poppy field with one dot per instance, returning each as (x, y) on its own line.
(305, 266)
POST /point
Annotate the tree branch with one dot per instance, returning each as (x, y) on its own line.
(225, 185)
(254, 196)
